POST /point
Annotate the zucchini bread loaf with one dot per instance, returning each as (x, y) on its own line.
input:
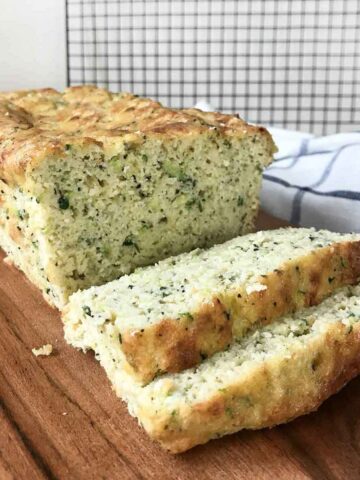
(274, 374)
(168, 317)
(93, 184)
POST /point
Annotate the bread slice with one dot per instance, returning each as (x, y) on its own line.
(170, 316)
(94, 184)
(273, 375)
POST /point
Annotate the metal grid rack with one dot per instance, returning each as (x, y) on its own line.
(290, 63)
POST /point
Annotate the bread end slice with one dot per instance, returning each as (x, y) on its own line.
(279, 392)
(276, 374)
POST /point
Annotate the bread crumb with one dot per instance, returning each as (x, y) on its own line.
(44, 350)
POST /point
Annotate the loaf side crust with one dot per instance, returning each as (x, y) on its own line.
(20, 259)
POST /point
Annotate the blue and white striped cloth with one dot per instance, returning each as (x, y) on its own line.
(314, 181)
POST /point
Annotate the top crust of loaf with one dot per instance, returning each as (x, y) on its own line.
(35, 124)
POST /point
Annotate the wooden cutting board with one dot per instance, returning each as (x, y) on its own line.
(60, 419)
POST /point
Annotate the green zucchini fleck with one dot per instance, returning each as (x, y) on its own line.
(130, 242)
(87, 310)
(194, 201)
(63, 202)
(240, 201)
(115, 161)
(175, 171)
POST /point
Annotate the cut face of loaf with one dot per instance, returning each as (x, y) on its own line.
(169, 317)
(271, 376)
(94, 184)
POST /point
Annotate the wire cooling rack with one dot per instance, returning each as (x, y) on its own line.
(290, 63)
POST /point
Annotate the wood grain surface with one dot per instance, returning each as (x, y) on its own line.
(60, 419)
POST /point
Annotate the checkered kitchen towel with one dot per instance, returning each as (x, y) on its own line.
(315, 181)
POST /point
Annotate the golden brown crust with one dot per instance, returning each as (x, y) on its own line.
(297, 284)
(173, 345)
(36, 123)
(276, 392)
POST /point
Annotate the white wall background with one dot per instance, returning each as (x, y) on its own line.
(32, 44)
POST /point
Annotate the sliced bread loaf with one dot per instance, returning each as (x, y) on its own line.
(273, 375)
(171, 316)
(94, 184)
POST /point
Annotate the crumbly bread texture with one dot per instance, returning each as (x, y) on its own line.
(169, 317)
(274, 374)
(94, 184)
